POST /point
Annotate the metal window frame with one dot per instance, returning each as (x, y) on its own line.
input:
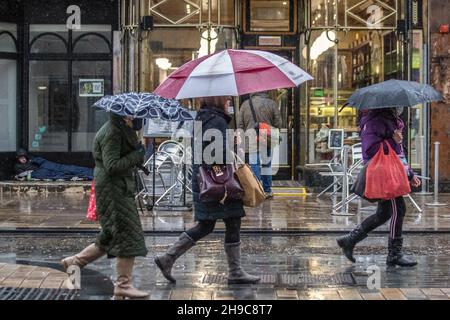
(69, 56)
(354, 16)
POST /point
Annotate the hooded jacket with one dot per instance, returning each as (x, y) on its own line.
(377, 126)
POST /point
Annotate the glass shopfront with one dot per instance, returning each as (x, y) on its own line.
(348, 45)
(185, 31)
(343, 44)
(60, 113)
(188, 30)
(8, 86)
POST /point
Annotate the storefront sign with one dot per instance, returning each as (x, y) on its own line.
(269, 40)
(318, 92)
(336, 139)
(91, 88)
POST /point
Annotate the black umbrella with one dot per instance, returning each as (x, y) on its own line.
(393, 93)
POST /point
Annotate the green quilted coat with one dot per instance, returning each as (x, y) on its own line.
(115, 157)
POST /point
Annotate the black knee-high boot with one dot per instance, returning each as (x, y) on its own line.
(349, 241)
(396, 257)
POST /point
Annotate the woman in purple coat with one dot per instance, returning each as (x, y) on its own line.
(377, 126)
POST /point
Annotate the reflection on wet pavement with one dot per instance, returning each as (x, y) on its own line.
(276, 258)
(68, 210)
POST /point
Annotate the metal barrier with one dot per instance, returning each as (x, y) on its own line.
(436, 202)
(345, 185)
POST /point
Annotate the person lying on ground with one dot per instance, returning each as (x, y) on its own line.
(42, 169)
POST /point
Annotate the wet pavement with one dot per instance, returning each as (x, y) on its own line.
(289, 241)
(55, 211)
(305, 266)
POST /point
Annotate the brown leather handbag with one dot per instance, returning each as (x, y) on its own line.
(218, 183)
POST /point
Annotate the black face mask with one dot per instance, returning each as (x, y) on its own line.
(137, 124)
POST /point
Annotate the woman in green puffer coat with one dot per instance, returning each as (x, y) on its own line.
(117, 152)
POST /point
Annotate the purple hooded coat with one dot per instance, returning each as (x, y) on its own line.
(379, 125)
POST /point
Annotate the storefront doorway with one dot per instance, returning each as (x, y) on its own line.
(283, 163)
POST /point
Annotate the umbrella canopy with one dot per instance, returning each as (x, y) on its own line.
(143, 105)
(393, 93)
(232, 73)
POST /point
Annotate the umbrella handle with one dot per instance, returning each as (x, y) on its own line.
(343, 106)
(144, 169)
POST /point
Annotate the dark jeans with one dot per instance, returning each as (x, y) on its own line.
(263, 171)
(205, 227)
(393, 209)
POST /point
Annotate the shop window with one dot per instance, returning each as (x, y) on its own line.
(8, 86)
(8, 95)
(92, 39)
(361, 58)
(48, 38)
(86, 120)
(170, 50)
(7, 42)
(321, 94)
(48, 106)
(354, 13)
(91, 43)
(48, 43)
(184, 12)
(270, 16)
(416, 133)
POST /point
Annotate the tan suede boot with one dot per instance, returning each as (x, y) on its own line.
(124, 287)
(87, 255)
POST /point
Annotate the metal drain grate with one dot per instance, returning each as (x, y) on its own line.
(7, 293)
(292, 279)
(317, 279)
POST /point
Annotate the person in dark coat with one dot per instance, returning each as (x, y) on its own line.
(43, 169)
(377, 126)
(212, 115)
(117, 152)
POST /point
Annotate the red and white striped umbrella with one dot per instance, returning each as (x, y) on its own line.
(232, 73)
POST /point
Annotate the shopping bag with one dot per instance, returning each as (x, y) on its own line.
(254, 193)
(359, 186)
(92, 209)
(386, 177)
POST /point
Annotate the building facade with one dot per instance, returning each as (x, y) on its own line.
(52, 72)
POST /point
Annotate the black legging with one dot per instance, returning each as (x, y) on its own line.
(205, 227)
(394, 209)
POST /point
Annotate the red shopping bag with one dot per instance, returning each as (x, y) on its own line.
(92, 209)
(386, 176)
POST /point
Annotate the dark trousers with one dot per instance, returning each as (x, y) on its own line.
(393, 209)
(205, 227)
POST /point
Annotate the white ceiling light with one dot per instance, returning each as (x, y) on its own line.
(163, 63)
(322, 44)
(203, 51)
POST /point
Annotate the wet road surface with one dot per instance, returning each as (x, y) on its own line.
(304, 266)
